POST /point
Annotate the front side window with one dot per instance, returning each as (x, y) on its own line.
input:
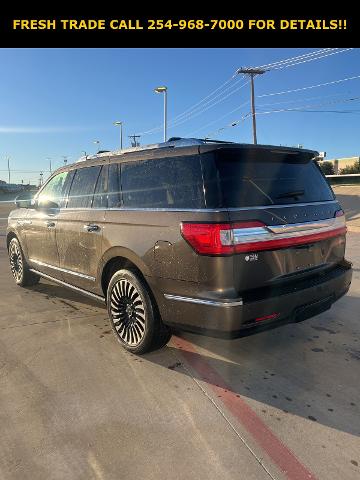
(54, 189)
(163, 183)
(83, 187)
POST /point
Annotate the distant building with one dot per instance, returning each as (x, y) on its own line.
(340, 163)
(15, 187)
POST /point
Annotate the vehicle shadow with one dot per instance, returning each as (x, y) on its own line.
(51, 290)
(310, 369)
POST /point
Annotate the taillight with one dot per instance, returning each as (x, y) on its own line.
(209, 238)
(253, 236)
(217, 238)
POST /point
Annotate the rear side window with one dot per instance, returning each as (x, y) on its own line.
(114, 195)
(238, 178)
(83, 186)
(163, 183)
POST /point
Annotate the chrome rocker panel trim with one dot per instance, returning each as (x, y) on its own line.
(68, 285)
(211, 303)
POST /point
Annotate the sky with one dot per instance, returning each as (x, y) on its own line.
(57, 102)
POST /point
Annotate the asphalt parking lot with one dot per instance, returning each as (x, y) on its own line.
(74, 405)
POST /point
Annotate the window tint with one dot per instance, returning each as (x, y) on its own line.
(261, 178)
(82, 187)
(100, 196)
(54, 189)
(114, 195)
(163, 183)
(66, 188)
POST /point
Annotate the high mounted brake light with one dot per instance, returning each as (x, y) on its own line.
(253, 236)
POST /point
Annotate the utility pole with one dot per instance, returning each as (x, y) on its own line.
(65, 159)
(48, 158)
(134, 143)
(252, 72)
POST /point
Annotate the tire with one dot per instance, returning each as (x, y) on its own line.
(133, 314)
(19, 268)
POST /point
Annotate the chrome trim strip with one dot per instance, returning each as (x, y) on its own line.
(276, 232)
(296, 227)
(204, 210)
(64, 270)
(68, 285)
(211, 303)
(267, 207)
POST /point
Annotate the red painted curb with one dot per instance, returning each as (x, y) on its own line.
(281, 455)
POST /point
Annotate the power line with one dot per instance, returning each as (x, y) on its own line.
(220, 118)
(195, 109)
(208, 101)
(297, 109)
(306, 60)
(297, 100)
(308, 87)
(209, 106)
(298, 57)
(353, 99)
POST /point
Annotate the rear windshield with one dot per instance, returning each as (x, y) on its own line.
(246, 178)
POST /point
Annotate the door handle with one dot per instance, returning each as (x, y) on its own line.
(50, 224)
(90, 227)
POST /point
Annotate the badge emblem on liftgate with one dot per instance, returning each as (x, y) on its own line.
(252, 257)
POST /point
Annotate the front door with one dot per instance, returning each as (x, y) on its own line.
(41, 226)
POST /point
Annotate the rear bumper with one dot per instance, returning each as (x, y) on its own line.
(235, 318)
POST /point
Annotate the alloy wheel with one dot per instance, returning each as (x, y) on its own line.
(16, 262)
(127, 312)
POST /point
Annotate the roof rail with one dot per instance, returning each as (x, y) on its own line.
(173, 142)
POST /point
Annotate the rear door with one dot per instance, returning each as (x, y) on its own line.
(284, 215)
(79, 231)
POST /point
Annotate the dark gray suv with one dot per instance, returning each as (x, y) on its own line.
(218, 238)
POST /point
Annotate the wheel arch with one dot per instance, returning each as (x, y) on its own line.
(118, 258)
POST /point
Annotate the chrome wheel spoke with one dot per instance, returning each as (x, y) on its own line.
(127, 312)
(16, 263)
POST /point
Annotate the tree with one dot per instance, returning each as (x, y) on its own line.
(327, 168)
(355, 168)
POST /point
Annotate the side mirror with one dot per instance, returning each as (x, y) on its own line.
(46, 205)
(24, 200)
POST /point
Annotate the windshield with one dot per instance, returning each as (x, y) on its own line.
(244, 179)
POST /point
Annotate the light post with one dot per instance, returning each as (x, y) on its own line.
(163, 90)
(120, 124)
(97, 142)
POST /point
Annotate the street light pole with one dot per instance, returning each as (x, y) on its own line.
(252, 72)
(163, 90)
(117, 124)
(8, 164)
(97, 142)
